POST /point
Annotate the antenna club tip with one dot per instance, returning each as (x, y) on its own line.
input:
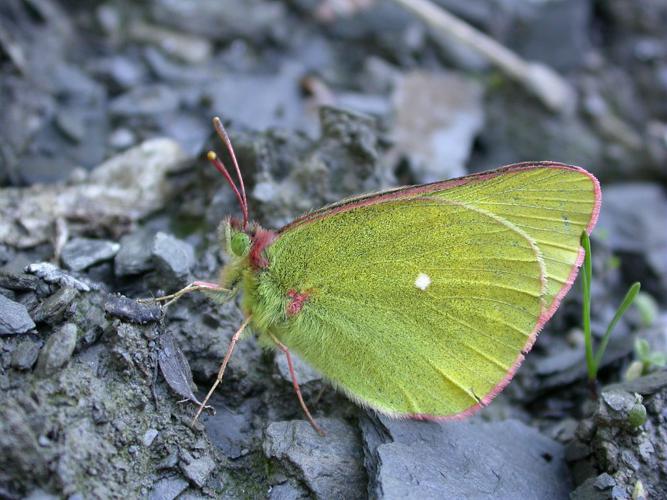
(211, 156)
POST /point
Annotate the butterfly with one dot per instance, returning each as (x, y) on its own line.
(418, 302)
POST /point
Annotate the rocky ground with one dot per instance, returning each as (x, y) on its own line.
(105, 197)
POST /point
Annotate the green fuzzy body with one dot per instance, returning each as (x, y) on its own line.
(419, 302)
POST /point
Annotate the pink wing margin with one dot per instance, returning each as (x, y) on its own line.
(410, 191)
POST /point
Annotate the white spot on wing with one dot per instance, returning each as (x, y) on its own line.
(423, 281)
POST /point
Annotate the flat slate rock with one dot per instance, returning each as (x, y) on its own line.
(330, 466)
(81, 253)
(500, 460)
(53, 274)
(14, 317)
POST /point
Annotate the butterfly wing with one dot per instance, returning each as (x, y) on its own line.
(421, 301)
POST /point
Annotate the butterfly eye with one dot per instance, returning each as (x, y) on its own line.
(240, 244)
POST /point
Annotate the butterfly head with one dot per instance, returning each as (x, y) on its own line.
(247, 245)
(245, 249)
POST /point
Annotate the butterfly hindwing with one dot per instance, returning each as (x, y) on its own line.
(420, 302)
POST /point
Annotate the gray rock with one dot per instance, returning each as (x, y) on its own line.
(304, 373)
(19, 281)
(149, 437)
(408, 459)
(173, 259)
(588, 490)
(437, 139)
(14, 317)
(625, 439)
(620, 408)
(81, 253)
(169, 70)
(287, 491)
(25, 355)
(556, 33)
(231, 432)
(330, 466)
(40, 494)
(197, 470)
(637, 231)
(122, 138)
(193, 495)
(192, 132)
(369, 104)
(168, 488)
(646, 385)
(58, 349)
(145, 100)
(53, 274)
(123, 71)
(135, 255)
(126, 187)
(10, 294)
(53, 309)
(187, 48)
(72, 125)
(245, 102)
(317, 173)
(604, 481)
(253, 19)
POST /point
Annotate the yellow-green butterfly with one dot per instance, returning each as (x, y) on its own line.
(418, 302)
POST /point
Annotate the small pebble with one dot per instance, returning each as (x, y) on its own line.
(25, 355)
(58, 349)
(149, 437)
(604, 481)
(122, 138)
(196, 470)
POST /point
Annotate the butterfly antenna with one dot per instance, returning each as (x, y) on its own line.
(220, 167)
(222, 133)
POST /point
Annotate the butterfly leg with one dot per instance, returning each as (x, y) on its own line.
(297, 389)
(192, 287)
(223, 366)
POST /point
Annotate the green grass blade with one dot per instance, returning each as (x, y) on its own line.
(586, 307)
(627, 302)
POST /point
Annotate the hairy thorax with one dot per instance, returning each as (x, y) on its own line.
(248, 271)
